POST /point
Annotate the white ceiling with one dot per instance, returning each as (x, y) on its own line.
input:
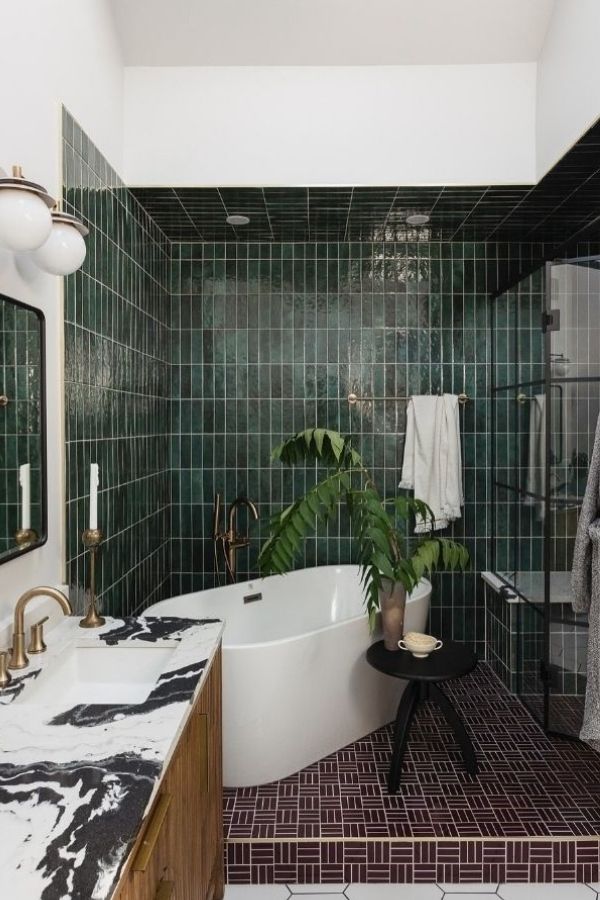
(330, 32)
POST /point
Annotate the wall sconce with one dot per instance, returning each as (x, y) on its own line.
(25, 220)
(64, 250)
(54, 238)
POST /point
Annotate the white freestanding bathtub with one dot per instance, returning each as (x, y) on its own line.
(296, 685)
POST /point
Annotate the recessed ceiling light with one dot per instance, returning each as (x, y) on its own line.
(417, 219)
(237, 220)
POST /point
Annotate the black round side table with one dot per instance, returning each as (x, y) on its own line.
(423, 676)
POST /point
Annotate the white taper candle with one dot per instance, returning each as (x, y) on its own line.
(94, 482)
(25, 481)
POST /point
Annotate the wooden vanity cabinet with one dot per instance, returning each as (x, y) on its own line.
(179, 852)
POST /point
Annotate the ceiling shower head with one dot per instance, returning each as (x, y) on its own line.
(236, 219)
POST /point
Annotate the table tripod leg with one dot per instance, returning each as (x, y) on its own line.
(406, 710)
(456, 723)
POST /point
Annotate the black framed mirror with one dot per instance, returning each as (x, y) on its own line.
(23, 470)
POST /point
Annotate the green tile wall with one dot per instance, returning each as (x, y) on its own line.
(187, 362)
(117, 382)
(271, 338)
(20, 425)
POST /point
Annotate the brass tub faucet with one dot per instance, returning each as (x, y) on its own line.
(18, 657)
(230, 540)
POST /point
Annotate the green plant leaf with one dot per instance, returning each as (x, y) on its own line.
(337, 444)
(306, 513)
(377, 536)
(379, 545)
(383, 564)
(372, 619)
(291, 526)
(319, 436)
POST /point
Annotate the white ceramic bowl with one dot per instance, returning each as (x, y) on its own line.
(420, 645)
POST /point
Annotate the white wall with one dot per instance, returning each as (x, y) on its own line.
(56, 52)
(330, 125)
(330, 32)
(568, 91)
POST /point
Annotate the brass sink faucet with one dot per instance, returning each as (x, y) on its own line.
(18, 657)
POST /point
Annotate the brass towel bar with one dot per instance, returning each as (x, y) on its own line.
(353, 399)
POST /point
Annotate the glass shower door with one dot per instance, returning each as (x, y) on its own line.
(573, 404)
(518, 394)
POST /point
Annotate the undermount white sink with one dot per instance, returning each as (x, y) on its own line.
(123, 674)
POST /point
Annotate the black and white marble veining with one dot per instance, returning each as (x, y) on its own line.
(172, 687)
(17, 686)
(151, 628)
(116, 792)
(75, 783)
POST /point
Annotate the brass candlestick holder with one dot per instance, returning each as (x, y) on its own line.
(92, 539)
(25, 537)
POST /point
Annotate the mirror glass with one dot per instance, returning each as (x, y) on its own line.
(22, 437)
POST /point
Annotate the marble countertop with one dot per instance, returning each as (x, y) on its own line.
(76, 781)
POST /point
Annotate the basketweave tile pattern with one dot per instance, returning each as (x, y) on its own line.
(413, 862)
(525, 817)
(269, 338)
(118, 385)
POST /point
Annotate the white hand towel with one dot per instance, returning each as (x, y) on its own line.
(451, 459)
(420, 469)
(536, 459)
(432, 458)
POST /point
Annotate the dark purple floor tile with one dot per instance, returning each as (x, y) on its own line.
(529, 786)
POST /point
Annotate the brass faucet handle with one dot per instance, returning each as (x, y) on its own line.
(5, 676)
(18, 657)
(36, 640)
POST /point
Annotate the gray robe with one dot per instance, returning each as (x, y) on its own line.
(585, 583)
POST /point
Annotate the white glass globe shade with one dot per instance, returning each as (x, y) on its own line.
(25, 220)
(63, 252)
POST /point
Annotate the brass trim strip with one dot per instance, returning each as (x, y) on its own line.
(165, 891)
(203, 773)
(540, 839)
(142, 857)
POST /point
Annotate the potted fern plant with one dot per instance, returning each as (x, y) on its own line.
(387, 573)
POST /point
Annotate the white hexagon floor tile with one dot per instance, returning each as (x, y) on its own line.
(394, 892)
(471, 896)
(256, 892)
(452, 889)
(546, 892)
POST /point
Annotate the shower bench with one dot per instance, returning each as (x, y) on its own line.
(452, 660)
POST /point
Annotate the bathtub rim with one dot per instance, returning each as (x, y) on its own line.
(423, 590)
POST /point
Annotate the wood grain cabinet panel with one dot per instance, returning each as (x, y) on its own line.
(179, 852)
